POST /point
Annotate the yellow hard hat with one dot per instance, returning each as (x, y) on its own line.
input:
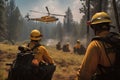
(67, 43)
(35, 35)
(100, 17)
(78, 41)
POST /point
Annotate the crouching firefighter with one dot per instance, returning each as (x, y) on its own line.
(102, 58)
(38, 65)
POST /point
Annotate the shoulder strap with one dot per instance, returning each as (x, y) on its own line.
(107, 54)
(110, 38)
(37, 45)
(104, 40)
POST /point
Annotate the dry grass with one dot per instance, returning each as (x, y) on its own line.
(8, 48)
(67, 63)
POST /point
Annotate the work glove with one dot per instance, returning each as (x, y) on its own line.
(35, 62)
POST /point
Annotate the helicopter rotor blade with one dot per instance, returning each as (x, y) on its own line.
(37, 11)
(58, 15)
(47, 10)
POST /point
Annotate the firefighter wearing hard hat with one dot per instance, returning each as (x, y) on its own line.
(58, 46)
(41, 53)
(78, 48)
(66, 47)
(95, 59)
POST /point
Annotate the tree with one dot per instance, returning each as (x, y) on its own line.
(14, 20)
(98, 5)
(18, 22)
(84, 28)
(59, 31)
(2, 20)
(118, 9)
(116, 13)
(68, 21)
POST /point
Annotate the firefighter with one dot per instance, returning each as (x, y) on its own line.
(41, 53)
(95, 57)
(58, 46)
(66, 47)
(79, 48)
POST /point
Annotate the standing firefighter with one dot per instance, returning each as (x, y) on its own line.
(101, 58)
(33, 62)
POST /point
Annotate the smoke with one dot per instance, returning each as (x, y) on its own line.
(66, 39)
(51, 42)
(84, 41)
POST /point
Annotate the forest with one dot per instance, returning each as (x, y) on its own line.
(14, 27)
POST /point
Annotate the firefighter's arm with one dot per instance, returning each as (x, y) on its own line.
(46, 56)
(89, 63)
(38, 57)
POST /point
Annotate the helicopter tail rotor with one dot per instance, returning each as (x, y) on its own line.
(27, 16)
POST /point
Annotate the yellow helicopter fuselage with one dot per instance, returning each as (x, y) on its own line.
(45, 19)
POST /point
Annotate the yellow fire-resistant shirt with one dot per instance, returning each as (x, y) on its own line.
(77, 45)
(95, 55)
(41, 54)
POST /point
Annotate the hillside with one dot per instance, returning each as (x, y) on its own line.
(67, 63)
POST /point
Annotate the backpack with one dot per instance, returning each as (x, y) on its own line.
(21, 68)
(113, 72)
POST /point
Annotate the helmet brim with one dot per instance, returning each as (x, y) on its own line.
(101, 21)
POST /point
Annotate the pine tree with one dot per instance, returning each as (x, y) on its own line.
(2, 20)
(68, 22)
(14, 20)
(59, 31)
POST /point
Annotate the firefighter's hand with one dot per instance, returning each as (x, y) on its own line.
(35, 62)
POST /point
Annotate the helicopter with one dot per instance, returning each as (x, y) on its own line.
(48, 18)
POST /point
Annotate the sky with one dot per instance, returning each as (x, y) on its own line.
(54, 6)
